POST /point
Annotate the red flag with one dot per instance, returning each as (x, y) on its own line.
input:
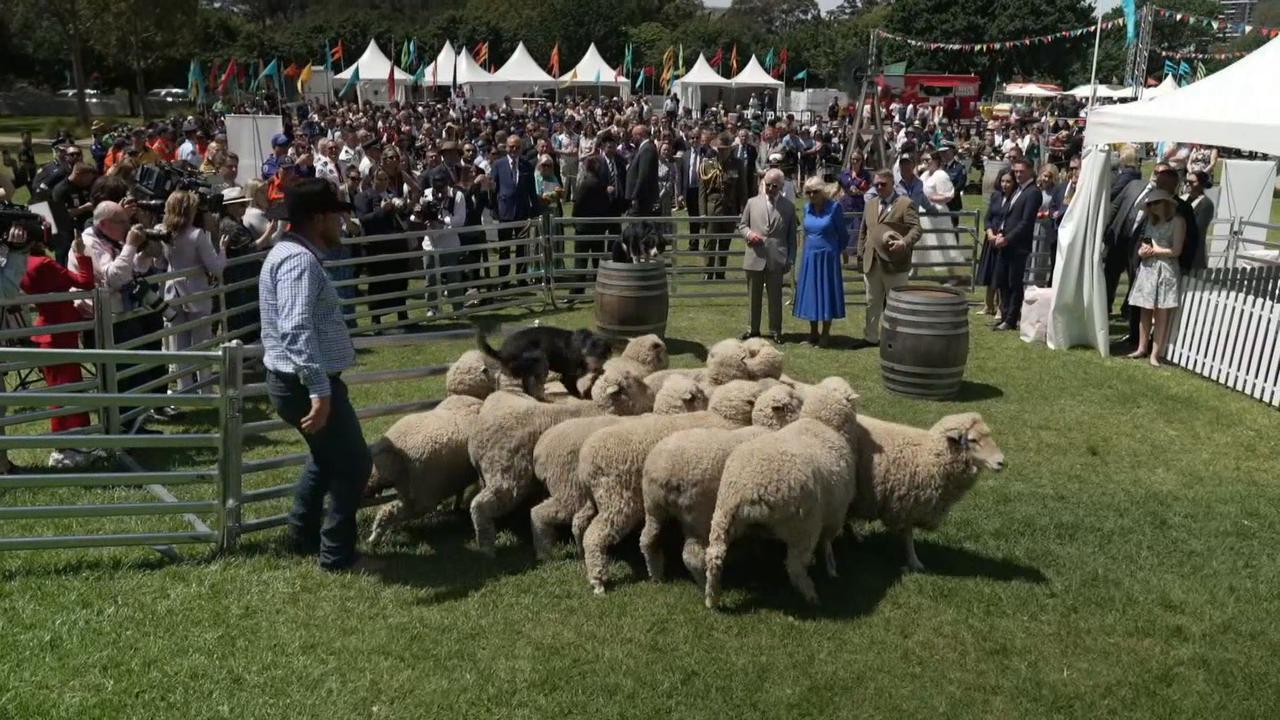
(226, 76)
(293, 71)
(733, 61)
(391, 83)
(555, 60)
(336, 53)
(648, 71)
(718, 59)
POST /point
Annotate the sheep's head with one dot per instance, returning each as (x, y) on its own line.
(474, 374)
(833, 403)
(735, 401)
(621, 392)
(968, 433)
(727, 360)
(679, 395)
(777, 407)
(763, 359)
(649, 351)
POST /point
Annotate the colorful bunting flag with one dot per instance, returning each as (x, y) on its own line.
(304, 77)
(733, 60)
(195, 80)
(338, 53)
(227, 76)
(555, 60)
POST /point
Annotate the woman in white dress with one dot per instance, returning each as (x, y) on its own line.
(1156, 288)
(940, 231)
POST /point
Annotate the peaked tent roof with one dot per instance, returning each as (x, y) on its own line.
(443, 66)
(703, 74)
(1165, 87)
(754, 74)
(469, 71)
(522, 68)
(373, 66)
(1194, 114)
(591, 66)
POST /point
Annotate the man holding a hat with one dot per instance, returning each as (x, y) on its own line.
(890, 229)
(306, 349)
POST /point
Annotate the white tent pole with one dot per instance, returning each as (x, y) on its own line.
(1093, 74)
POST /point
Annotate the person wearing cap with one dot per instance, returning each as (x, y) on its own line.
(306, 348)
(1162, 241)
(240, 241)
(889, 232)
(98, 149)
(140, 151)
(189, 151)
(370, 159)
(279, 156)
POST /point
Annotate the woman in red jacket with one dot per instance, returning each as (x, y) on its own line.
(45, 275)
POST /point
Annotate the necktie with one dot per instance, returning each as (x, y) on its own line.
(515, 173)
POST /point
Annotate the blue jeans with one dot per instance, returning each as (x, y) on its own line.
(339, 466)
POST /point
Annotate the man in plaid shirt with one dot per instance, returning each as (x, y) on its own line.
(306, 349)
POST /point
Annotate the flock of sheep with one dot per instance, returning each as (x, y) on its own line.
(733, 446)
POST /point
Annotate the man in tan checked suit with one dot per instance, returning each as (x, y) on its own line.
(890, 230)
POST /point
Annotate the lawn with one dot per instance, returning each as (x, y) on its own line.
(1122, 566)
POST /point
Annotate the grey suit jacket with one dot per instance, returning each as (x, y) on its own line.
(777, 223)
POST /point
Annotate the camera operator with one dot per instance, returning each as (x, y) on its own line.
(188, 247)
(13, 266)
(122, 254)
(444, 210)
(240, 241)
(70, 205)
(44, 275)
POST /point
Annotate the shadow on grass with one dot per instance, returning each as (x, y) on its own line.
(867, 571)
(677, 346)
(974, 391)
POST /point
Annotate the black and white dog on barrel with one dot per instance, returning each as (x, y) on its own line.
(641, 241)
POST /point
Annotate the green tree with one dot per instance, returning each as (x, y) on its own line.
(73, 19)
(776, 16)
(138, 34)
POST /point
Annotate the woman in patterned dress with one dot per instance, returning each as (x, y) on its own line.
(1156, 288)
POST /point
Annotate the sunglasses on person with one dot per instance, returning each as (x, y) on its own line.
(772, 186)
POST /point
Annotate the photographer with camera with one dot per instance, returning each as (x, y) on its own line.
(13, 267)
(444, 210)
(239, 241)
(188, 247)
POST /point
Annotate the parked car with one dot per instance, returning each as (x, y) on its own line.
(89, 94)
(167, 94)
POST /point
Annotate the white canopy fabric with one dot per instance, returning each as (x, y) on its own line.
(592, 70)
(470, 72)
(1165, 87)
(1029, 90)
(754, 75)
(374, 67)
(1236, 107)
(689, 87)
(442, 67)
(1078, 314)
(1104, 91)
(521, 68)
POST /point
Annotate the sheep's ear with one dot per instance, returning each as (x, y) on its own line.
(960, 436)
(612, 390)
(688, 395)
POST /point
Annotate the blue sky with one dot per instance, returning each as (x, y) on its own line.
(828, 4)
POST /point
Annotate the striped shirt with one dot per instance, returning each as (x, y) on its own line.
(303, 332)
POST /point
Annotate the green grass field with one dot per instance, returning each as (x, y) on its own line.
(1122, 566)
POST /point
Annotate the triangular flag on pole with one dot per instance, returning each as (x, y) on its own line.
(555, 60)
(304, 77)
(328, 57)
(227, 76)
(680, 66)
(733, 60)
(351, 81)
(802, 75)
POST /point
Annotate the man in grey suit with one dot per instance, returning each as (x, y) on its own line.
(768, 224)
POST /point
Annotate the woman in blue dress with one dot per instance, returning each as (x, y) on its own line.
(820, 288)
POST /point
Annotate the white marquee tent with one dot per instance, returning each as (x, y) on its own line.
(479, 83)
(1034, 90)
(1104, 91)
(593, 71)
(375, 68)
(690, 88)
(1165, 87)
(522, 74)
(1193, 114)
(754, 77)
(440, 71)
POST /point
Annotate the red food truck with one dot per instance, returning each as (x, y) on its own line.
(957, 94)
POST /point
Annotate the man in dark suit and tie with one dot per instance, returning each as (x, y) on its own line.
(514, 196)
(642, 175)
(1127, 214)
(690, 175)
(1014, 242)
(745, 155)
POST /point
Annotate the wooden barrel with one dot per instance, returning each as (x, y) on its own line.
(924, 341)
(631, 299)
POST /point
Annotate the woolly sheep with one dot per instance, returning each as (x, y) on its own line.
(647, 351)
(682, 475)
(728, 360)
(508, 428)
(763, 359)
(797, 482)
(424, 457)
(555, 462)
(910, 477)
(611, 464)
(474, 374)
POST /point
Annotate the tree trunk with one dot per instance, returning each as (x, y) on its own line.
(140, 87)
(77, 75)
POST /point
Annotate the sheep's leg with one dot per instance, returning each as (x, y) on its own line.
(913, 561)
(649, 545)
(581, 519)
(460, 499)
(829, 554)
(798, 558)
(694, 552)
(606, 529)
(495, 500)
(545, 516)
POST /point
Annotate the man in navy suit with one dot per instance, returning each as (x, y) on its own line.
(1014, 242)
(642, 175)
(514, 196)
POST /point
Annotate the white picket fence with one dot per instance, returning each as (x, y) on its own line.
(1228, 329)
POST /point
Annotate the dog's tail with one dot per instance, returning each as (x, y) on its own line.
(485, 347)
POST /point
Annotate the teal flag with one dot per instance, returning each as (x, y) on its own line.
(328, 57)
(420, 77)
(640, 79)
(802, 75)
(351, 81)
(770, 60)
